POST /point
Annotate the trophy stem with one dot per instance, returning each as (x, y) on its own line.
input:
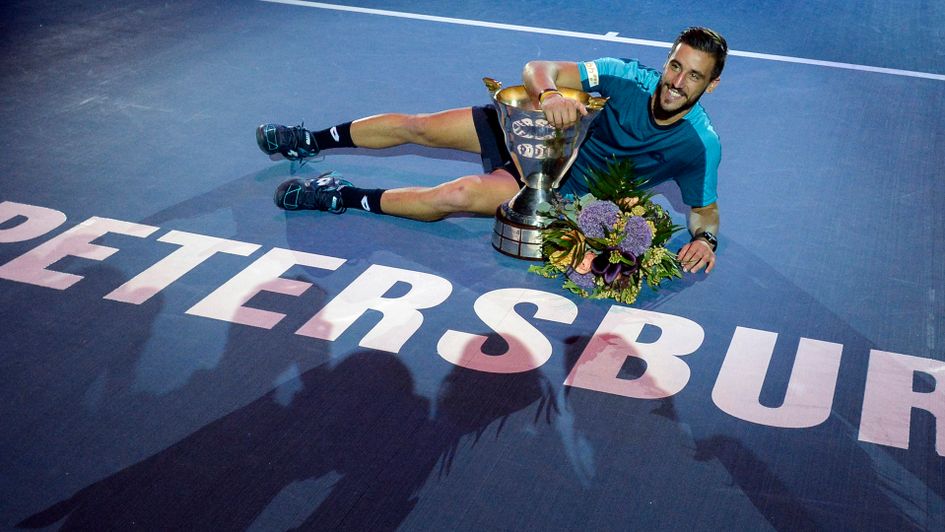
(523, 207)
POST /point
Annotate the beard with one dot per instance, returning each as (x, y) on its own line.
(661, 113)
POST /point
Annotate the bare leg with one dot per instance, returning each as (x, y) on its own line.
(453, 129)
(447, 129)
(476, 194)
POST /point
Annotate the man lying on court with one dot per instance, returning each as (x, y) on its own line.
(651, 118)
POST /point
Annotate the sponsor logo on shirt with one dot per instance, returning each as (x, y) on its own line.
(592, 77)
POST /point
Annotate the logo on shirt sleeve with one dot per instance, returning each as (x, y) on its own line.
(592, 77)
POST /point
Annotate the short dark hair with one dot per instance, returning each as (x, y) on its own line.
(708, 41)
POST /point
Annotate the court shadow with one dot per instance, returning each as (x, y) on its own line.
(443, 154)
(356, 429)
(780, 505)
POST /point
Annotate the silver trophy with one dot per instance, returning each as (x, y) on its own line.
(542, 154)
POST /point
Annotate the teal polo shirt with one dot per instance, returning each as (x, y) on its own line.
(687, 151)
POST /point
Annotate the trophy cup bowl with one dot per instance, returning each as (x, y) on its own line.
(542, 154)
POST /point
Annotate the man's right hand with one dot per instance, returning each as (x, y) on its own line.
(562, 112)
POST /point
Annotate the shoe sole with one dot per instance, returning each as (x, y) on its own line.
(263, 142)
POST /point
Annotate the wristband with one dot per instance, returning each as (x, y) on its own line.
(542, 94)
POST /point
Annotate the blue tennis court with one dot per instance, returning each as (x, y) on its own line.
(178, 353)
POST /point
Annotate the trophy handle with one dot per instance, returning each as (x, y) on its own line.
(492, 85)
(596, 103)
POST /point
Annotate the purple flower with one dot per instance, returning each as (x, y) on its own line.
(611, 271)
(597, 218)
(638, 237)
(583, 280)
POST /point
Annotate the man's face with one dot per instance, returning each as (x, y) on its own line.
(686, 75)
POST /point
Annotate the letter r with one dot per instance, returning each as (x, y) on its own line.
(889, 399)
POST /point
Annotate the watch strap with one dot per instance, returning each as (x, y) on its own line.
(708, 237)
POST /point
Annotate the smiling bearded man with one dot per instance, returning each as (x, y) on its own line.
(652, 118)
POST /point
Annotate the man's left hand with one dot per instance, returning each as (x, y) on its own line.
(696, 255)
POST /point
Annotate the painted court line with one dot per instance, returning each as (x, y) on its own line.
(609, 37)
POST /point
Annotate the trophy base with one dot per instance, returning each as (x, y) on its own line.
(522, 241)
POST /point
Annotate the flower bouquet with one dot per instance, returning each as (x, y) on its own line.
(609, 242)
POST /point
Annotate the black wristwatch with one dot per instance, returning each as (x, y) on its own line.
(708, 237)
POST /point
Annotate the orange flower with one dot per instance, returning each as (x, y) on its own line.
(585, 265)
(628, 203)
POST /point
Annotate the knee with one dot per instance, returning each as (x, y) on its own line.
(459, 195)
(417, 128)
